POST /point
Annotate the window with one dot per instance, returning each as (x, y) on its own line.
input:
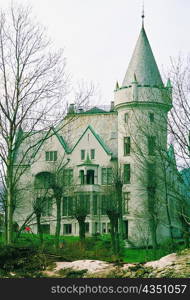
(104, 205)
(83, 203)
(127, 173)
(127, 145)
(45, 228)
(95, 205)
(92, 153)
(151, 145)
(103, 227)
(126, 117)
(67, 228)
(51, 155)
(86, 227)
(45, 205)
(67, 208)
(126, 197)
(81, 175)
(67, 176)
(151, 168)
(151, 117)
(82, 154)
(44, 180)
(107, 176)
(90, 177)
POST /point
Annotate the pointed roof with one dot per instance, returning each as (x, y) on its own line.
(143, 64)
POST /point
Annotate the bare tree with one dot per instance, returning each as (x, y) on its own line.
(33, 86)
(113, 206)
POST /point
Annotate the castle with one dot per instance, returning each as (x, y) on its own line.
(129, 139)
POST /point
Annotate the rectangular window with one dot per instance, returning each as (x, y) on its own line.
(104, 205)
(83, 203)
(151, 117)
(46, 204)
(67, 207)
(107, 176)
(126, 198)
(70, 206)
(92, 153)
(127, 145)
(45, 228)
(151, 168)
(67, 176)
(82, 177)
(86, 227)
(51, 155)
(103, 227)
(95, 205)
(82, 154)
(126, 117)
(67, 228)
(151, 145)
(127, 173)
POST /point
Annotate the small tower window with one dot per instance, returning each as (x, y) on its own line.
(151, 145)
(127, 145)
(127, 173)
(151, 174)
(126, 197)
(151, 117)
(126, 117)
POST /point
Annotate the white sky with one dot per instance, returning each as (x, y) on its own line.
(99, 35)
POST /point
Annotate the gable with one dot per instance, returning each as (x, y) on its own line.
(97, 137)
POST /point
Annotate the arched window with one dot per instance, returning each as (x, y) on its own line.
(44, 180)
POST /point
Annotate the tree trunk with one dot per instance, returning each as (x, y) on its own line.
(81, 221)
(112, 236)
(39, 228)
(9, 217)
(58, 222)
(117, 235)
(152, 226)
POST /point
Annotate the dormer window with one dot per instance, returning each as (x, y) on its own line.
(127, 145)
(92, 153)
(51, 155)
(82, 154)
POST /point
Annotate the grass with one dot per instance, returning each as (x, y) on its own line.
(94, 248)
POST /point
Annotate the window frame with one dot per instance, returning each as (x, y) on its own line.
(82, 154)
(127, 145)
(126, 117)
(92, 153)
(126, 199)
(127, 173)
(151, 145)
(107, 177)
(151, 117)
(50, 155)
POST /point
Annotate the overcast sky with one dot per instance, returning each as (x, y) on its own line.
(99, 35)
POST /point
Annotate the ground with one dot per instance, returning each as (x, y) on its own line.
(171, 266)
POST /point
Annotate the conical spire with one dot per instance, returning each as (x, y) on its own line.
(143, 64)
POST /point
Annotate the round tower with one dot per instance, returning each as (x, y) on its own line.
(142, 103)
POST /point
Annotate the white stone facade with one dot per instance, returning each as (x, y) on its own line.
(140, 112)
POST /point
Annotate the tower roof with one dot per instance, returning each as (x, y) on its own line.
(143, 64)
